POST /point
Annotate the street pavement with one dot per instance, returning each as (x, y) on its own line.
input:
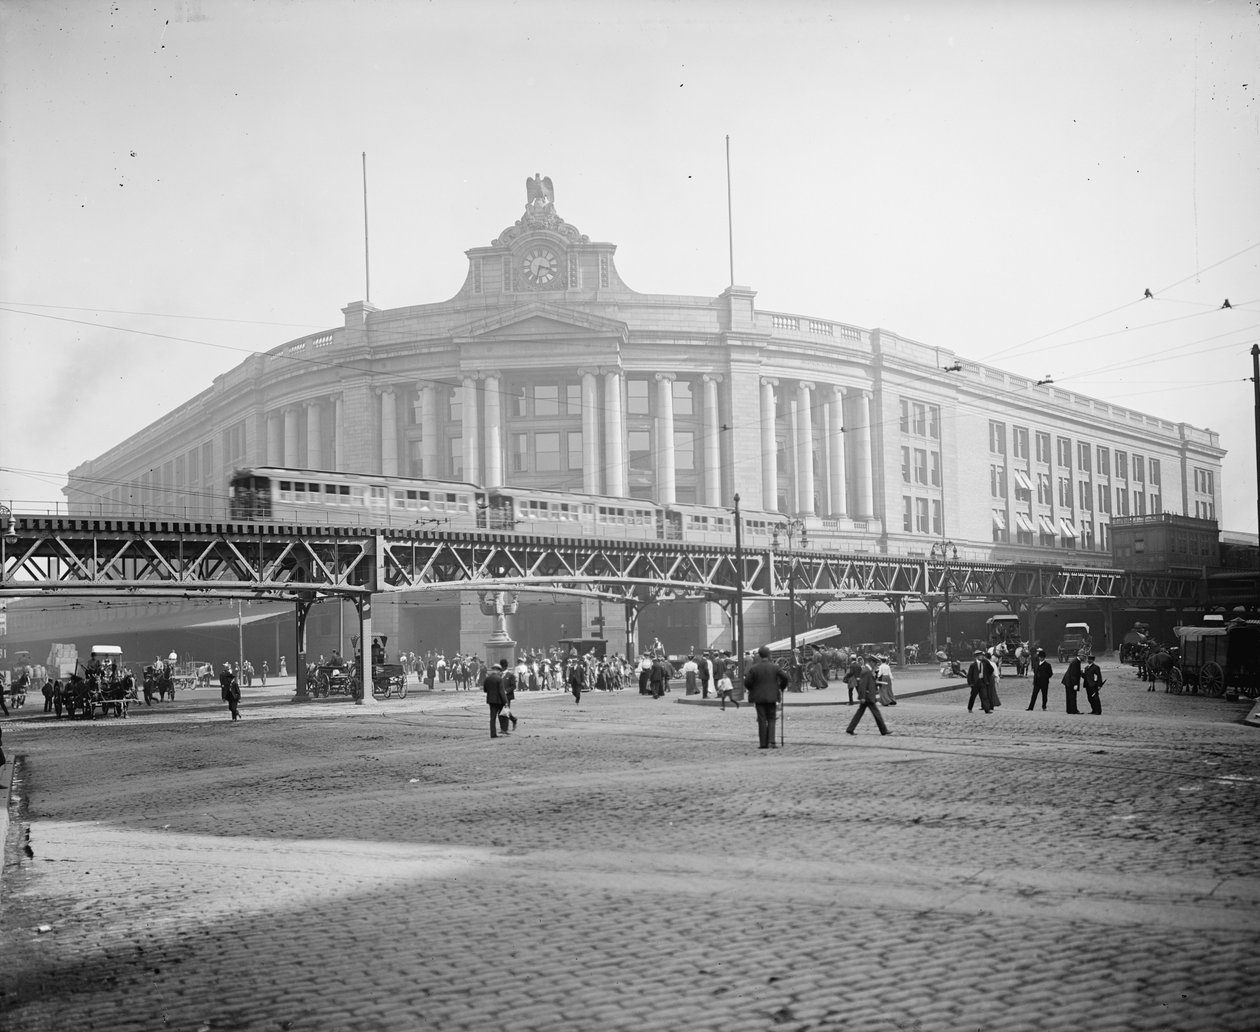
(635, 864)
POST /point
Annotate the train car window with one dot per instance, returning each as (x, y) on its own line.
(376, 496)
(286, 490)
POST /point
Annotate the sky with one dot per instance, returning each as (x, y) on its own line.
(182, 184)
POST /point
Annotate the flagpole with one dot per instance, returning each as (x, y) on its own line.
(367, 269)
(730, 225)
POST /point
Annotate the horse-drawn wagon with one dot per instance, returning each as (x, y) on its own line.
(1134, 643)
(105, 682)
(1221, 660)
(1076, 641)
(1006, 642)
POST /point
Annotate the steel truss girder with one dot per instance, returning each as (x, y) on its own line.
(174, 559)
(165, 558)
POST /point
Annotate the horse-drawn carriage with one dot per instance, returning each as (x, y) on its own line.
(1221, 660)
(338, 678)
(1076, 641)
(1006, 640)
(105, 682)
(1134, 643)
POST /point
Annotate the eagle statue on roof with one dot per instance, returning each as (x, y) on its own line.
(539, 191)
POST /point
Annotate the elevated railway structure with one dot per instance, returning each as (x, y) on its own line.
(63, 556)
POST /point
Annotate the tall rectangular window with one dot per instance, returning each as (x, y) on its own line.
(920, 466)
(936, 469)
(1104, 498)
(1104, 461)
(1083, 452)
(1139, 469)
(905, 464)
(546, 399)
(684, 400)
(1155, 473)
(919, 411)
(921, 515)
(684, 451)
(637, 397)
(546, 452)
(1065, 492)
(1087, 499)
(573, 439)
(1044, 496)
(997, 481)
(1122, 501)
(1019, 442)
(937, 527)
(520, 451)
(905, 419)
(455, 405)
(455, 457)
(907, 514)
(1065, 453)
(934, 422)
(573, 399)
(1122, 465)
(997, 437)
(1139, 502)
(1043, 448)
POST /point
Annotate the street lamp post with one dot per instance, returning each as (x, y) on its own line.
(789, 528)
(10, 526)
(943, 550)
(737, 632)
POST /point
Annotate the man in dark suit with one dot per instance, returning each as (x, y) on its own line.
(1072, 683)
(868, 698)
(976, 677)
(766, 681)
(496, 696)
(1093, 678)
(1041, 679)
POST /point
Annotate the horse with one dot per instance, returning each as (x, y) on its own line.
(835, 662)
(1159, 663)
(158, 681)
(1023, 658)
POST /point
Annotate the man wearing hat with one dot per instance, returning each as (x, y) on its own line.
(868, 698)
(230, 690)
(1041, 679)
(980, 677)
(766, 682)
(1093, 678)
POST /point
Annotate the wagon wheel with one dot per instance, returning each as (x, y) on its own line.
(380, 689)
(322, 686)
(1174, 682)
(402, 689)
(1211, 679)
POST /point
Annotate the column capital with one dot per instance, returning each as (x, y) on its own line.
(662, 377)
(387, 389)
(805, 385)
(838, 391)
(610, 370)
(769, 381)
(589, 370)
(712, 378)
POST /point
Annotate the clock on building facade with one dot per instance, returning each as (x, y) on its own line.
(540, 267)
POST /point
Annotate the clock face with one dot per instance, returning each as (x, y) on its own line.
(540, 266)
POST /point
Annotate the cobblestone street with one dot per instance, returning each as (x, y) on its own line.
(630, 863)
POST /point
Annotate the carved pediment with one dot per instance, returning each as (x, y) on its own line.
(541, 322)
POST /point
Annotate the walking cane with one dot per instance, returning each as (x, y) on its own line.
(782, 718)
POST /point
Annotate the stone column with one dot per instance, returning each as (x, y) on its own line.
(712, 442)
(769, 453)
(494, 433)
(614, 440)
(837, 495)
(275, 439)
(804, 448)
(666, 492)
(865, 463)
(389, 432)
(339, 432)
(429, 464)
(590, 431)
(468, 422)
(291, 436)
(314, 436)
